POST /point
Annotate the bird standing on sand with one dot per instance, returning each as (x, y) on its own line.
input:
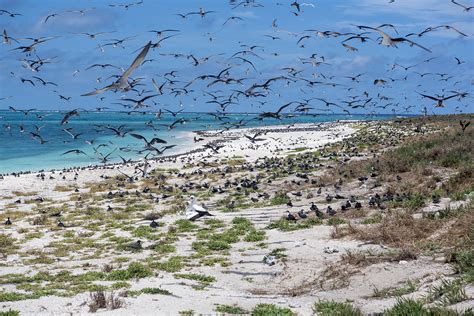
(8, 221)
(195, 211)
(290, 217)
(330, 211)
(302, 214)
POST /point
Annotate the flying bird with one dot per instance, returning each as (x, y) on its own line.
(276, 114)
(7, 39)
(68, 115)
(389, 41)
(50, 16)
(75, 151)
(122, 82)
(438, 99)
(150, 143)
(466, 8)
(2, 12)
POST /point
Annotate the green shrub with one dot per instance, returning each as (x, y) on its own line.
(329, 308)
(197, 277)
(134, 271)
(270, 309)
(279, 198)
(242, 224)
(231, 309)
(184, 225)
(10, 312)
(335, 221)
(155, 290)
(255, 236)
(410, 307)
(174, 264)
(14, 296)
(218, 245)
(464, 264)
(415, 202)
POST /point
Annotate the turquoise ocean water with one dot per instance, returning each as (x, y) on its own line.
(20, 152)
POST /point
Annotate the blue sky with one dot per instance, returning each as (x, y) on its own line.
(72, 53)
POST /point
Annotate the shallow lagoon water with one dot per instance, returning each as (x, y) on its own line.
(20, 152)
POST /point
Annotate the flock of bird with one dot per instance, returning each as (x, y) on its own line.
(239, 80)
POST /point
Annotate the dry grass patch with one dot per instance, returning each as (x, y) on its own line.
(100, 300)
(397, 229)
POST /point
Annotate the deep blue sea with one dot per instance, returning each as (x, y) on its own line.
(19, 151)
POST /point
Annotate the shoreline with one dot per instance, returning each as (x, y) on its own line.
(249, 252)
(196, 148)
(235, 145)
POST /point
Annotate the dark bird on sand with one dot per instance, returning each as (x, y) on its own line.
(302, 214)
(136, 245)
(290, 217)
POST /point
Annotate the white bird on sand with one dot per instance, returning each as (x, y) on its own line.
(195, 211)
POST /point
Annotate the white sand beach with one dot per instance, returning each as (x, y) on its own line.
(103, 211)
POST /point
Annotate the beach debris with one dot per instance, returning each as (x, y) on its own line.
(269, 260)
(329, 249)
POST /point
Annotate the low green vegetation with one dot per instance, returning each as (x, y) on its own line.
(255, 236)
(416, 308)
(231, 309)
(278, 253)
(448, 292)
(173, 264)
(184, 226)
(10, 312)
(134, 271)
(463, 264)
(335, 221)
(7, 244)
(15, 296)
(270, 309)
(64, 283)
(330, 308)
(409, 287)
(204, 279)
(279, 198)
(149, 290)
